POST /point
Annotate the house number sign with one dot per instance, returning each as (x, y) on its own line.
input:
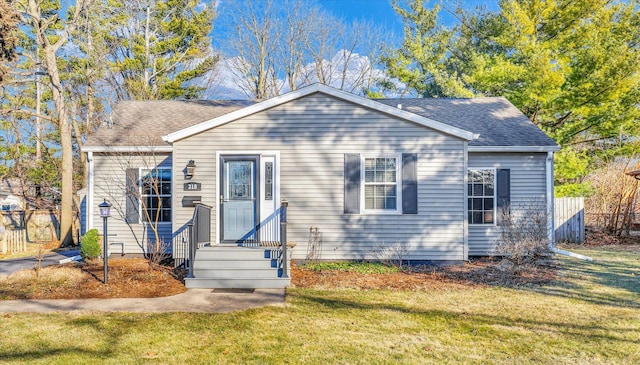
(192, 186)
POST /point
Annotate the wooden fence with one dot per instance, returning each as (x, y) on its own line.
(569, 219)
(13, 241)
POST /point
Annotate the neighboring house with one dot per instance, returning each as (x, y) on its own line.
(10, 192)
(427, 175)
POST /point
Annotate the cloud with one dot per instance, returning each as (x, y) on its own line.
(351, 72)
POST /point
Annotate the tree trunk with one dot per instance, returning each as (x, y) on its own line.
(66, 141)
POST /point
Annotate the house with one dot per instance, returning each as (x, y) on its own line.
(427, 177)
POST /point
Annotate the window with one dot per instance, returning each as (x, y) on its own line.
(481, 196)
(268, 181)
(381, 178)
(155, 194)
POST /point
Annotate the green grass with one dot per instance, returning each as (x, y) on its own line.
(590, 316)
(362, 267)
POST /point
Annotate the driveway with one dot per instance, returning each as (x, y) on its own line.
(10, 266)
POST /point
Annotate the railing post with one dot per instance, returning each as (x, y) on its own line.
(283, 237)
(192, 248)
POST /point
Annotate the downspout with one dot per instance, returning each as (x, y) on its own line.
(550, 214)
(465, 222)
(90, 175)
(551, 227)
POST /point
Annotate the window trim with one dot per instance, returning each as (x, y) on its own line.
(398, 158)
(142, 196)
(495, 197)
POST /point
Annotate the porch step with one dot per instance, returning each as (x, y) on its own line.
(247, 283)
(236, 267)
(234, 273)
(233, 253)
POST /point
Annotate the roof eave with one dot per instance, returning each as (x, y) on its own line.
(514, 148)
(123, 149)
(297, 94)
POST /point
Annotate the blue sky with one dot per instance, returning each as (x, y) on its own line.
(381, 12)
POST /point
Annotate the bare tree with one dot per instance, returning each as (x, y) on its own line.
(8, 35)
(141, 198)
(614, 196)
(280, 46)
(45, 26)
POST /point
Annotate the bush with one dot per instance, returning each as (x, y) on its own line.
(90, 245)
(523, 233)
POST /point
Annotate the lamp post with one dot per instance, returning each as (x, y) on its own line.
(104, 213)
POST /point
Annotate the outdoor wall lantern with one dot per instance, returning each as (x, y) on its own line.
(105, 208)
(190, 170)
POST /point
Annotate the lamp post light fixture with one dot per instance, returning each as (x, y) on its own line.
(190, 170)
(105, 208)
(635, 174)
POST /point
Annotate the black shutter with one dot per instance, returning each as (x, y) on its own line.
(409, 183)
(132, 216)
(352, 183)
(503, 186)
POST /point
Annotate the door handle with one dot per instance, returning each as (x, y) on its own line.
(221, 199)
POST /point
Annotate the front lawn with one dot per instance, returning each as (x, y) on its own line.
(590, 314)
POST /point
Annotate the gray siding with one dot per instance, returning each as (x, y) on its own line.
(528, 182)
(312, 135)
(110, 184)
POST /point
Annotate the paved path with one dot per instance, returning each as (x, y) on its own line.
(194, 300)
(24, 263)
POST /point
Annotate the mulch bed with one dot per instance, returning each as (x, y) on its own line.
(127, 278)
(137, 278)
(485, 272)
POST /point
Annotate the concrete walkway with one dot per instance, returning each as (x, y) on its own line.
(10, 266)
(194, 301)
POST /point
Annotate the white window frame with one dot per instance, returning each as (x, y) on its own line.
(160, 196)
(495, 197)
(398, 210)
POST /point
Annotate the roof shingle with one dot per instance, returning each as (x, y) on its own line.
(495, 119)
(497, 122)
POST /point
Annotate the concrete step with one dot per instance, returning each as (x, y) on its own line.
(244, 283)
(234, 264)
(233, 253)
(237, 273)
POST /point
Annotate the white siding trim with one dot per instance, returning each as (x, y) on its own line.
(297, 94)
(90, 191)
(550, 200)
(160, 196)
(465, 218)
(513, 148)
(276, 177)
(158, 149)
(495, 196)
(399, 166)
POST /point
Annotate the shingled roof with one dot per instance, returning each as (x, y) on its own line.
(143, 123)
(495, 120)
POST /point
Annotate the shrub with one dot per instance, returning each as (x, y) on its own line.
(90, 245)
(393, 255)
(523, 233)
